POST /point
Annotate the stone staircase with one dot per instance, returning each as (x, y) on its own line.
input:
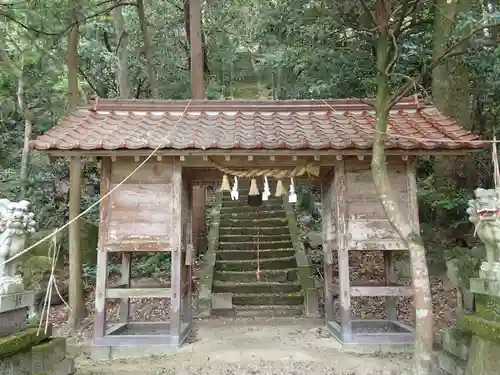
(279, 292)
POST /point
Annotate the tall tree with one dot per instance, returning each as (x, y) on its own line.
(122, 72)
(148, 48)
(76, 298)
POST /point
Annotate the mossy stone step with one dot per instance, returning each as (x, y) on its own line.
(253, 238)
(263, 214)
(250, 222)
(252, 231)
(280, 275)
(264, 311)
(249, 265)
(268, 299)
(255, 287)
(243, 206)
(253, 245)
(252, 254)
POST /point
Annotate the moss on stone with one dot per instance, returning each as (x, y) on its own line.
(488, 307)
(484, 357)
(481, 327)
(19, 342)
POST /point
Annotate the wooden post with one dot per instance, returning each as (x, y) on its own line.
(197, 75)
(327, 249)
(176, 252)
(343, 254)
(76, 301)
(102, 255)
(198, 219)
(392, 312)
(125, 282)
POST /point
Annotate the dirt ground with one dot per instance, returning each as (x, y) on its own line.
(257, 347)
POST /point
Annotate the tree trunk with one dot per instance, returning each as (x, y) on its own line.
(28, 125)
(420, 273)
(452, 96)
(122, 77)
(76, 298)
(148, 49)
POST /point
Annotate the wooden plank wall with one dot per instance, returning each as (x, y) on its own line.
(367, 227)
(140, 211)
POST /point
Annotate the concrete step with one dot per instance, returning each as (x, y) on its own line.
(250, 222)
(256, 287)
(252, 254)
(250, 214)
(280, 275)
(249, 265)
(260, 299)
(252, 231)
(248, 311)
(253, 245)
(253, 238)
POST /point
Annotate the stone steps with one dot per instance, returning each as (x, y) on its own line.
(263, 214)
(262, 238)
(253, 245)
(251, 265)
(251, 231)
(260, 299)
(251, 222)
(246, 311)
(278, 293)
(252, 254)
(260, 287)
(279, 275)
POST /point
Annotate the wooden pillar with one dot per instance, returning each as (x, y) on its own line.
(176, 252)
(199, 231)
(126, 271)
(391, 302)
(343, 254)
(76, 301)
(102, 255)
(327, 214)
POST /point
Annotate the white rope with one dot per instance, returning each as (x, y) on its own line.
(100, 199)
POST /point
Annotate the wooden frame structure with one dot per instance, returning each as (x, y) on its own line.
(353, 219)
(152, 210)
(168, 231)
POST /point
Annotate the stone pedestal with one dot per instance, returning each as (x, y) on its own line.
(484, 325)
(24, 350)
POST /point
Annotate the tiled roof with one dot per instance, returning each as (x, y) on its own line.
(289, 124)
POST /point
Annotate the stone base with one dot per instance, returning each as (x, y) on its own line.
(484, 357)
(11, 285)
(447, 364)
(13, 321)
(29, 354)
(457, 343)
(485, 286)
(490, 271)
(16, 301)
(487, 329)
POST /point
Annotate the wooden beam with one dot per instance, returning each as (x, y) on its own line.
(76, 301)
(255, 152)
(138, 293)
(197, 75)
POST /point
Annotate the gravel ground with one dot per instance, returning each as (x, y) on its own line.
(254, 346)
